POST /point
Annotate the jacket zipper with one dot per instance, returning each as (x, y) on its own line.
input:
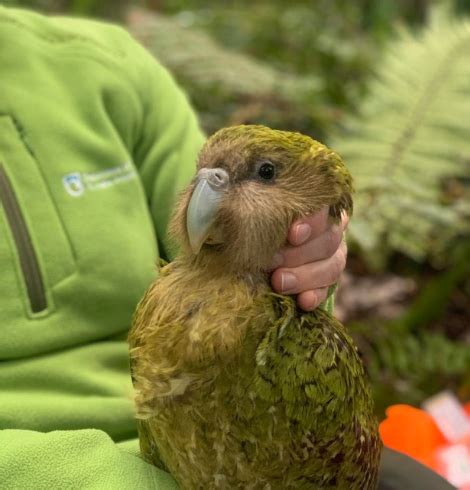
(28, 259)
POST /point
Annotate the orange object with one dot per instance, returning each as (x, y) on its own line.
(413, 432)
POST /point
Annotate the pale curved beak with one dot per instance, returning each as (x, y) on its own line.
(204, 204)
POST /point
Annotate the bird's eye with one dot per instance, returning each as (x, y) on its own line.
(267, 171)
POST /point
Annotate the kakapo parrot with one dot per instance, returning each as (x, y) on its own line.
(235, 386)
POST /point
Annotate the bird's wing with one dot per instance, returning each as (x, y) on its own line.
(308, 362)
(308, 367)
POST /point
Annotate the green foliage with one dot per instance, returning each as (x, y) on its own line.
(227, 87)
(296, 39)
(336, 40)
(409, 149)
(407, 368)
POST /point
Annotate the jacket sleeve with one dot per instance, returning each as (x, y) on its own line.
(169, 141)
(82, 459)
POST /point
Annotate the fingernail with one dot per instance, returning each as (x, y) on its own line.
(302, 233)
(277, 261)
(288, 282)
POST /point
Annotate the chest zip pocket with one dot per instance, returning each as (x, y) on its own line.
(27, 256)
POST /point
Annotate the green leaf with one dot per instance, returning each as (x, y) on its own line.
(409, 141)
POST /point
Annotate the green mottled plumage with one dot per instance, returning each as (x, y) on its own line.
(236, 387)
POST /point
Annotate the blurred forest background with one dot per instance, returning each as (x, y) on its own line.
(387, 84)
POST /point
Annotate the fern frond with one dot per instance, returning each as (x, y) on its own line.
(409, 149)
(227, 87)
(198, 57)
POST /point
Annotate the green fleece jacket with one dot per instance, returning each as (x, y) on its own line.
(95, 141)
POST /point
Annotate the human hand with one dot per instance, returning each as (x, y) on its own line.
(313, 260)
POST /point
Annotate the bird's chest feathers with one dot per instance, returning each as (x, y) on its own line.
(201, 328)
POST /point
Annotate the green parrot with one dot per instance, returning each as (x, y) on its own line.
(235, 387)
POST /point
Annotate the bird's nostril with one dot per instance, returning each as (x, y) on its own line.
(219, 177)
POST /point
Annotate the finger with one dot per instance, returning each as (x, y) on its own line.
(308, 227)
(313, 275)
(319, 248)
(309, 300)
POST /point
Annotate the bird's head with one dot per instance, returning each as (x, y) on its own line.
(252, 183)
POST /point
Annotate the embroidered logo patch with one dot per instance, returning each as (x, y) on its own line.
(77, 183)
(73, 184)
